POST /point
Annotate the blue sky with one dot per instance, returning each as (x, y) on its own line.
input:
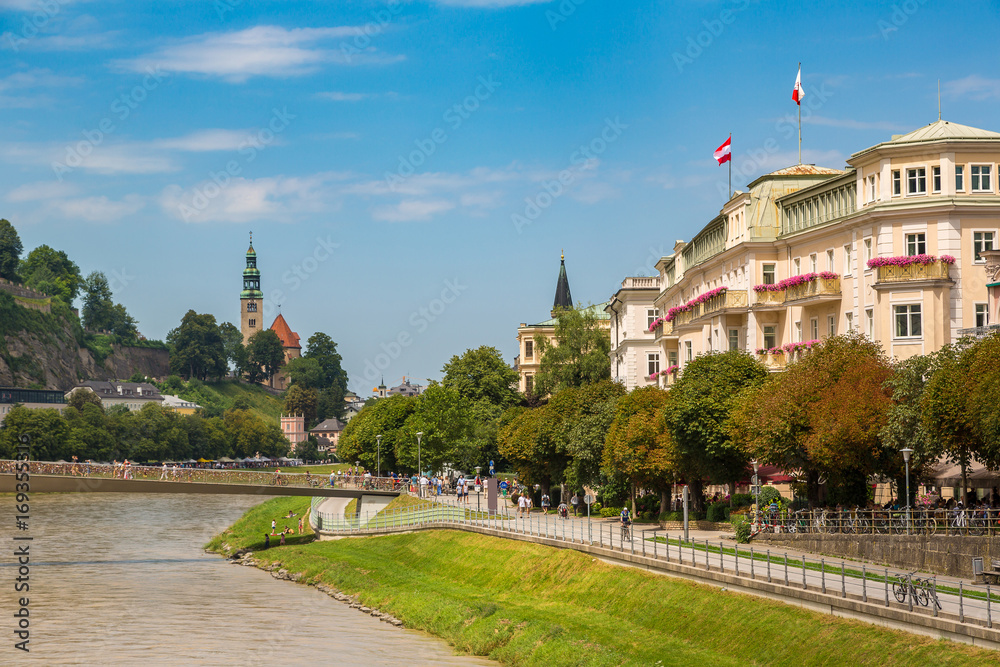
(399, 163)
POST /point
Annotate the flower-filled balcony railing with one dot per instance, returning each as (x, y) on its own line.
(911, 267)
(680, 315)
(824, 283)
(773, 358)
(723, 300)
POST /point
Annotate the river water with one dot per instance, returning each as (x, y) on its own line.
(122, 579)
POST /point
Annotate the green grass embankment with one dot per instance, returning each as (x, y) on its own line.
(526, 604)
(222, 395)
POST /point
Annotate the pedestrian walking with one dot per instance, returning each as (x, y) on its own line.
(274, 526)
(575, 502)
(163, 475)
(545, 503)
(301, 526)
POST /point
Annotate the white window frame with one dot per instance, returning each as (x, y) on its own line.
(773, 272)
(813, 263)
(651, 315)
(813, 328)
(959, 178)
(897, 183)
(936, 179)
(870, 188)
(770, 330)
(831, 325)
(868, 251)
(979, 245)
(919, 242)
(652, 363)
(982, 314)
(915, 178)
(909, 311)
(830, 259)
(847, 260)
(688, 351)
(870, 323)
(672, 358)
(973, 177)
(797, 266)
(529, 349)
(734, 339)
(798, 332)
(849, 320)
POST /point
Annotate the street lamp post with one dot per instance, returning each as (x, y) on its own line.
(756, 487)
(906, 457)
(420, 473)
(378, 439)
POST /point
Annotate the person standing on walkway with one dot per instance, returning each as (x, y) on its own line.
(545, 503)
(575, 502)
(274, 526)
(301, 526)
(163, 475)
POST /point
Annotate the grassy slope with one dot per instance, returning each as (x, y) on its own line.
(224, 394)
(527, 604)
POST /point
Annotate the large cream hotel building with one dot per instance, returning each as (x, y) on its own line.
(827, 250)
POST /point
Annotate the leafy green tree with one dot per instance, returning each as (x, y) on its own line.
(51, 271)
(100, 313)
(321, 348)
(959, 403)
(197, 347)
(46, 428)
(10, 250)
(89, 436)
(635, 446)
(265, 355)
(232, 344)
(308, 450)
(82, 397)
(537, 441)
(482, 375)
(249, 435)
(305, 372)
(823, 415)
(577, 357)
(442, 416)
(385, 417)
(300, 401)
(697, 417)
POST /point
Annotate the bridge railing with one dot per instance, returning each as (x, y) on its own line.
(913, 521)
(207, 475)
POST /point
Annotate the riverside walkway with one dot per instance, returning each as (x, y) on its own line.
(103, 478)
(939, 606)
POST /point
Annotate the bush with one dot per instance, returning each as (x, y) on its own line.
(610, 511)
(648, 503)
(741, 526)
(743, 500)
(718, 512)
(672, 516)
(595, 508)
(767, 494)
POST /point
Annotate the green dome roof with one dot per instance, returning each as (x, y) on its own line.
(251, 272)
(251, 294)
(251, 252)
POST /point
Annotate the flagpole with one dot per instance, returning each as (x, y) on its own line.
(799, 105)
(730, 165)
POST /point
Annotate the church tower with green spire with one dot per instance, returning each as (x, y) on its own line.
(251, 297)
(563, 297)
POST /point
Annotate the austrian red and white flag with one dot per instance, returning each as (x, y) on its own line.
(722, 153)
(798, 93)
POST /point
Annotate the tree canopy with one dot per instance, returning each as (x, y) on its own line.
(578, 356)
(52, 272)
(100, 313)
(265, 355)
(482, 375)
(10, 250)
(197, 347)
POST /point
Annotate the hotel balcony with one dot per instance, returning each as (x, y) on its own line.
(769, 300)
(726, 301)
(641, 282)
(935, 272)
(814, 291)
(665, 330)
(772, 362)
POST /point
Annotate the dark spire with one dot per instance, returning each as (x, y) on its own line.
(563, 297)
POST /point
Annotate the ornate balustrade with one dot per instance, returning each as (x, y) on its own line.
(829, 287)
(899, 274)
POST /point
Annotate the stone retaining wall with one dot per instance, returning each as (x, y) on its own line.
(944, 554)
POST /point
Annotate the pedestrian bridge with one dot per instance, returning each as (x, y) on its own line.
(44, 477)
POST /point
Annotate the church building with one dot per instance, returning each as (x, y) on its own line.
(251, 312)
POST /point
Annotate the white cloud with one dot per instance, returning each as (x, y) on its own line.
(337, 96)
(207, 140)
(82, 154)
(42, 191)
(975, 87)
(411, 210)
(275, 198)
(32, 79)
(259, 51)
(98, 209)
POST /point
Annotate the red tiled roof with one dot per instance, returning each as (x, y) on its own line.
(288, 337)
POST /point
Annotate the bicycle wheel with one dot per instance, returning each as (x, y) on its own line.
(977, 526)
(899, 591)
(921, 593)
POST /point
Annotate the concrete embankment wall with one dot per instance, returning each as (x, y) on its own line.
(943, 554)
